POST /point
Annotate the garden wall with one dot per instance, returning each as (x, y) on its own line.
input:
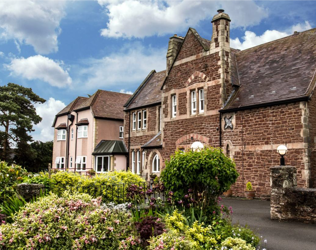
(289, 202)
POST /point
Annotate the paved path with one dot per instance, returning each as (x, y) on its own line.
(279, 235)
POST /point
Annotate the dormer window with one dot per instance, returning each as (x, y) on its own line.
(174, 105)
(82, 131)
(193, 102)
(61, 135)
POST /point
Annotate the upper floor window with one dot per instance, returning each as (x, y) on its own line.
(159, 118)
(156, 164)
(174, 105)
(82, 131)
(201, 100)
(193, 102)
(121, 134)
(61, 135)
(139, 123)
(144, 119)
(81, 163)
(102, 164)
(72, 134)
(60, 162)
(134, 121)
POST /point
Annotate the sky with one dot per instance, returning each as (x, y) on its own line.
(68, 48)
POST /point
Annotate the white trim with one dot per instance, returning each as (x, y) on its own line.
(157, 161)
(121, 130)
(174, 105)
(71, 162)
(144, 119)
(61, 135)
(201, 101)
(193, 102)
(60, 162)
(134, 121)
(138, 163)
(139, 120)
(72, 134)
(144, 159)
(83, 131)
(102, 163)
(81, 162)
(133, 162)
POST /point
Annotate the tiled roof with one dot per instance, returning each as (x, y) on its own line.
(149, 92)
(280, 70)
(154, 142)
(106, 147)
(73, 105)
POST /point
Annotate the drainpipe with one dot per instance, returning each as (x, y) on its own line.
(220, 130)
(76, 132)
(67, 145)
(129, 138)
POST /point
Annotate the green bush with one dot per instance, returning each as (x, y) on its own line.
(40, 178)
(236, 244)
(111, 186)
(207, 172)
(72, 221)
(10, 176)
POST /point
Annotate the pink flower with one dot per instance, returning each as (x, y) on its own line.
(110, 228)
(11, 240)
(117, 221)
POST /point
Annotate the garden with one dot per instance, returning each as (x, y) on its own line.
(181, 209)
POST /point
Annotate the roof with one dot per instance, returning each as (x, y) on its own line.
(149, 91)
(73, 105)
(280, 70)
(62, 126)
(107, 147)
(154, 142)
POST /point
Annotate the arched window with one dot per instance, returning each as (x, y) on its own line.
(227, 150)
(156, 163)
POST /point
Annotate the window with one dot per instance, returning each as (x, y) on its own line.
(72, 134)
(156, 164)
(133, 161)
(227, 150)
(159, 118)
(144, 119)
(201, 101)
(121, 134)
(134, 121)
(144, 159)
(193, 102)
(70, 161)
(82, 131)
(81, 162)
(174, 105)
(61, 135)
(139, 120)
(138, 162)
(102, 164)
(60, 162)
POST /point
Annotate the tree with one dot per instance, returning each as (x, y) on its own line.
(17, 115)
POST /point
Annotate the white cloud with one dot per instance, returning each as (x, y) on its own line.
(1, 54)
(251, 39)
(41, 68)
(44, 130)
(33, 22)
(135, 18)
(124, 70)
(126, 92)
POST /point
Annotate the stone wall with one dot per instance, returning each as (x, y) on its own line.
(289, 202)
(28, 191)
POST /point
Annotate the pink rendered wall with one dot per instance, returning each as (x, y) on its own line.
(120, 162)
(107, 130)
(59, 147)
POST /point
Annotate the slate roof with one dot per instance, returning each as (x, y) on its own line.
(108, 147)
(281, 70)
(154, 142)
(73, 105)
(149, 92)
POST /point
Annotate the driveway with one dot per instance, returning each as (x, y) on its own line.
(279, 235)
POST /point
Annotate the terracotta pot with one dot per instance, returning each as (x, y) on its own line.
(250, 194)
(228, 193)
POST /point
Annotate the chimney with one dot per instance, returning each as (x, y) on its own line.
(220, 43)
(173, 49)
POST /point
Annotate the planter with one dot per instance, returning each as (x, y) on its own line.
(250, 194)
(228, 193)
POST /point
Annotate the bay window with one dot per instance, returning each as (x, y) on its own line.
(102, 164)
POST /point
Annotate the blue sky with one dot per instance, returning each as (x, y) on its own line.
(68, 48)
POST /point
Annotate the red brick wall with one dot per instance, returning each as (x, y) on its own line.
(311, 141)
(190, 47)
(182, 103)
(213, 97)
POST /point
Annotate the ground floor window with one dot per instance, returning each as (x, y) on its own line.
(156, 163)
(81, 163)
(102, 164)
(60, 162)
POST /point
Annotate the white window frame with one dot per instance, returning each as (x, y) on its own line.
(121, 132)
(138, 162)
(174, 105)
(201, 100)
(60, 162)
(139, 120)
(83, 131)
(72, 133)
(144, 119)
(133, 162)
(134, 121)
(81, 162)
(97, 158)
(70, 162)
(143, 159)
(157, 161)
(193, 102)
(61, 134)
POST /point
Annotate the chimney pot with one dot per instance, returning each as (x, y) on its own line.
(220, 11)
(175, 35)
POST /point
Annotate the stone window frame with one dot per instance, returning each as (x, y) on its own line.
(150, 161)
(231, 148)
(96, 163)
(61, 134)
(174, 106)
(157, 161)
(145, 119)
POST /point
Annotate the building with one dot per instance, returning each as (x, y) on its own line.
(246, 102)
(89, 134)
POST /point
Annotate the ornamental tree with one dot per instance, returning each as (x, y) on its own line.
(207, 173)
(17, 114)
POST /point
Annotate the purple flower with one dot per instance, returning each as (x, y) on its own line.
(214, 212)
(149, 191)
(180, 201)
(186, 196)
(170, 193)
(153, 199)
(129, 206)
(152, 204)
(190, 190)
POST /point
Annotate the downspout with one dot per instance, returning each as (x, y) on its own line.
(75, 165)
(220, 130)
(67, 144)
(129, 138)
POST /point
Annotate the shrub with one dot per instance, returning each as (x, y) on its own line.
(10, 176)
(148, 227)
(249, 186)
(67, 222)
(40, 178)
(207, 172)
(11, 205)
(236, 244)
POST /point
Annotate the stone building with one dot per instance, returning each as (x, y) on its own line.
(246, 102)
(89, 134)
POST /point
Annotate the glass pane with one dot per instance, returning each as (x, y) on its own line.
(78, 166)
(106, 164)
(99, 164)
(83, 166)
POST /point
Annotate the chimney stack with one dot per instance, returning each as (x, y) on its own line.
(173, 49)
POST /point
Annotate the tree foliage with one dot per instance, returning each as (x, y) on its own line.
(207, 172)
(17, 114)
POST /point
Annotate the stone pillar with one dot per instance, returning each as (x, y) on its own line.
(282, 179)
